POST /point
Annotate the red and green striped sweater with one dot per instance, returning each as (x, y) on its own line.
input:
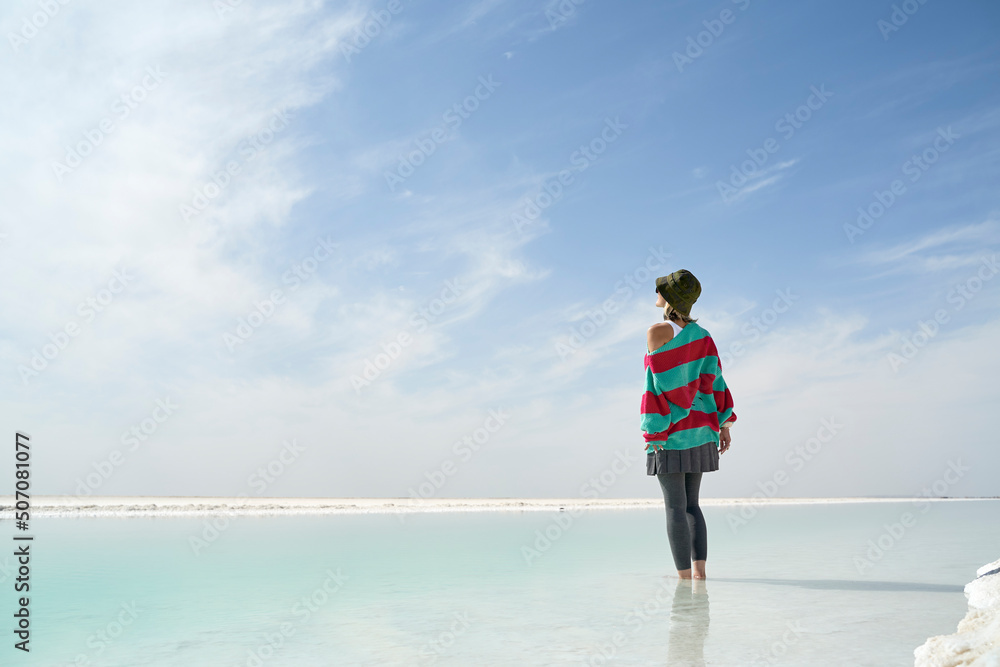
(686, 399)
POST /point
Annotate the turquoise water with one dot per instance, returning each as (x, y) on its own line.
(457, 588)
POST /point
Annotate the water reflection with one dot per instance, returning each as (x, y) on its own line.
(688, 624)
(850, 585)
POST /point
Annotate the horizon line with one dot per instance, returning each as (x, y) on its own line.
(136, 506)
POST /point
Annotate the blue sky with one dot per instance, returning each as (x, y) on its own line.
(492, 303)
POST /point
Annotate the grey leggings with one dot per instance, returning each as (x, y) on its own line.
(686, 527)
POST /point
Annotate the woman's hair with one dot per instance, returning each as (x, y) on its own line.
(671, 313)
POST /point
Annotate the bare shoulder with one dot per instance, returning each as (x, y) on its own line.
(658, 335)
(662, 327)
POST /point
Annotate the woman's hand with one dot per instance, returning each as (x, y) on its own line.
(724, 439)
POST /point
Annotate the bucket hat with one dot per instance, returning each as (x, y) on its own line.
(680, 289)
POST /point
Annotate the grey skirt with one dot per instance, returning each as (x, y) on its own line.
(703, 458)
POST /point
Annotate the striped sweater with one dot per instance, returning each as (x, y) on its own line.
(686, 399)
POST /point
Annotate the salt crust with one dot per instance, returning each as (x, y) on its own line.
(137, 506)
(977, 642)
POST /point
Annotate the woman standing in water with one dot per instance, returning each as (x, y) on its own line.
(686, 413)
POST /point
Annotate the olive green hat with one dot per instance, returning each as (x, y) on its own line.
(680, 289)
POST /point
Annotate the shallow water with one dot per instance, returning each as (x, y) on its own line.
(785, 588)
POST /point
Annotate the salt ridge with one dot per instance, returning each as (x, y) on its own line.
(977, 642)
(136, 506)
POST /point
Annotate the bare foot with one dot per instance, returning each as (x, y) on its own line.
(699, 569)
(684, 574)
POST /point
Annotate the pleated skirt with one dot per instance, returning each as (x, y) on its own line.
(703, 458)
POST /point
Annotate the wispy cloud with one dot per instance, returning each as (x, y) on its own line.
(912, 255)
(476, 12)
(763, 179)
(918, 83)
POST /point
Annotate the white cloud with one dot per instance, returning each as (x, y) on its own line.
(908, 253)
(763, 178)
(162, 335)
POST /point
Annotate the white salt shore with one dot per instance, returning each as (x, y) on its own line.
(134, 506)
(977, 642)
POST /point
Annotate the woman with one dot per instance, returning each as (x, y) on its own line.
(686, 414)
